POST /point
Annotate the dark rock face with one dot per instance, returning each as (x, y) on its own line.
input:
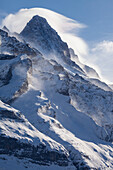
(18, 93)
(5, 78)
(8, 114)
(37, 154)
(43, 36)
(7, 57)
(11, 71)
(43, 137)
(15, 47)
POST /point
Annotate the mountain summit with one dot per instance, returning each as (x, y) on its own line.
(40, 33)
(53, 115)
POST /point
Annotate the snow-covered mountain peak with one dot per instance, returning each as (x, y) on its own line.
(39, 33)
(61, 116)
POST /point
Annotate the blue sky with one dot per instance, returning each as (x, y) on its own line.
(96, 14)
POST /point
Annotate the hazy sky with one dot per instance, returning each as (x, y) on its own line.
(96, 14)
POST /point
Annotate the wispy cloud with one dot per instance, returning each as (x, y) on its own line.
(100, 56)
(67, 28)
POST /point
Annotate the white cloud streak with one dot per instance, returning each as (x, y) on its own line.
(100, 56)
(67, 28)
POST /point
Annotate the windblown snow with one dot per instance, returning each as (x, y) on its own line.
(55, 112)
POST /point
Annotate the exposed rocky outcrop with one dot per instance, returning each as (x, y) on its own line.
(90, 72)
(43, 37)
(13, 46)
(65, 112)
(14, 77)
(7, 57)
(40, 33)
(89, 98)
(38, 154)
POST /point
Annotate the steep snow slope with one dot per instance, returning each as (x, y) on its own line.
(21, 139)
(36, 23)
(42, 36)
(52, 113)
(15, 78)
(14, 66)
(61, 116)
